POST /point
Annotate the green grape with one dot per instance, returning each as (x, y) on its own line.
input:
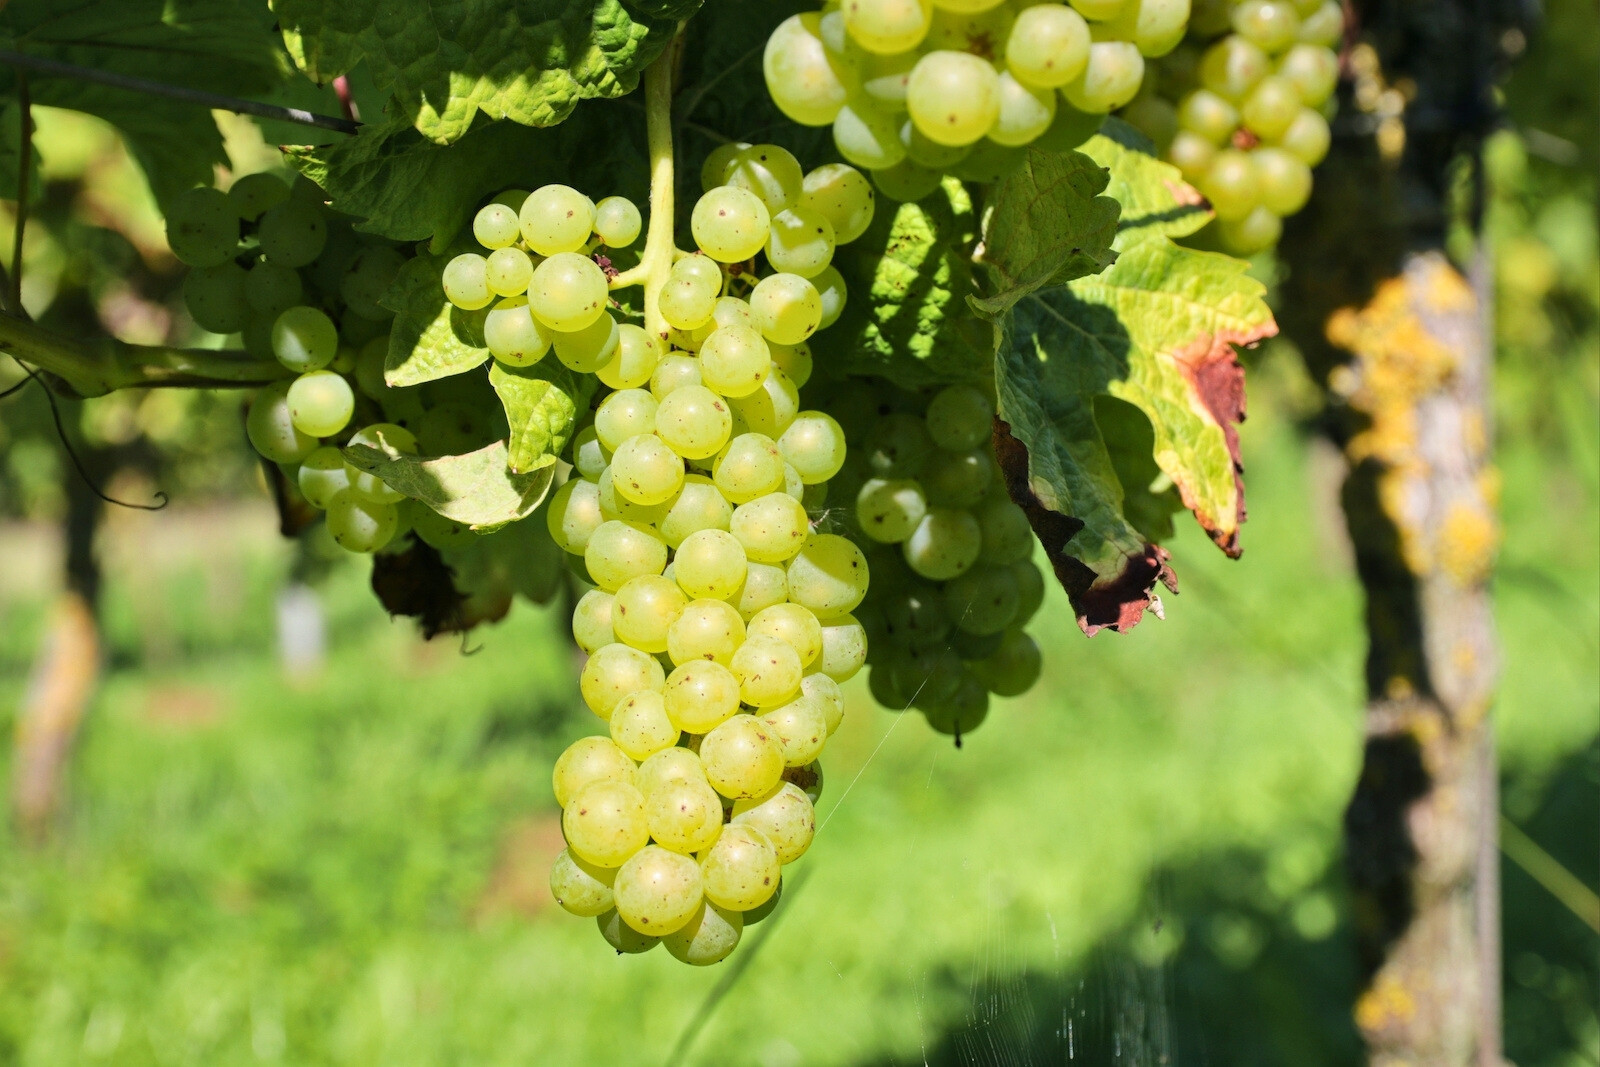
(1208, 19)
(622, 937)
(887, 26)
(466, 282)
(1284, 181)
(694, 422)
(1232, 67)
(794, 361)
(710, 565)
(806, 83)
(617, 221)
(271, 289)
(770, 409)
(885, 690)
(979, 32)
(956, 479)
(716, 164)
(741, 756)
(322, 474)
(670, 765)
(203, 228)
(731, 311)
(1152, 116)
(769, 673)
(1110, 79)
(927, 676)
(842, 195)
(634, 360)
(619, 550)
(581, 887)
(771, 527)
(709, 936)
(889, 509)
(844, 648)
(1325, 27)
(701, 694)
(1209, 116)
(568, 292)
(640, 727)
(320, 403)
(1048, 46)
(645, 470)
(1271, 106)
(1256, 232)
(615, 506)
(706, 630)
(796, 627)
(883, 78)
(366, 280)
(293, 234)
(686, 302)
(433, 528)
(507, 271)
(867, 135)
(646, 607)
(588, 349)
(685, 814)
(1312, 70)
(825, 693)
(962, 712)
(1154, 26)
(730, 225)
(784, 816)
(897, 445)
(604, 823)
(359, 524)
(1025, 112)
(591, 620)
(1030, 589)
(1307, 137)
(556, 219)
(673, 372)
(749, 467)
(385, 436)
(800, 241)
(828, 575)
(699, 506)
(931, 154)
(916, 617)
(770, 172)
(615, 671)
(953, 97)
(1231, 184)
(959, 417)
(304, 339)
(988, 162)
(945, 543)
(1271, 25)
(786, 308)
(814, 444)
(701, 269)
(586, 761)
(983, 600)
(513, 335)
(624, 414)
(496, 226)
(740, 871)
(1192, 154)
(1007, 535)
(1013, 668)
(764, 585)
(1099, 10)
(256, 193)
(735, 360)
(792, 485)
(589, 455)
(215, 297)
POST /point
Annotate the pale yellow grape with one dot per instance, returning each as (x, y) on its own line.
(657, 890)
(555, 219)
(842, 195)
(772, 528)
(844, 648)
(829, 575)
(686, 302)
(1025, 112)
(614, 671)
(699, 268)
(953, 97)
(700, 694)
(304, 338)
(1099, 9)
(764, 585)
(800, 728)
(1256, 232)
(614, 505)
(800, 241)
(770, 410)
(709, 936)
(323, 473)
(568, 292)
(1110, 79)
(1154, 26)
(694, 422)
(1325, 26)
(645, 470)
(741, 757)
(792, 485)
(731, 311)
(574, 514)
(710, 564)
(622, 937)
(945, 543)
(769, 674)
(673, 372)
(508, 271)
(795, 626)
(495, 226)
(969, 7)
(1230, 183)
(358, 524)
(1271, 107)
(784, 816)
(883, 79)
(639, 725)
(690, 340)
(786, 308)
(605, 823)
(588, 349)
(867, 135)
(684, 813)
(670, 765)
(889, 509)
(624, 414)
(1312, 70)
(591, 621)
(588, 760)
(770, 172)
(619, 550)
(617, 221)
(730, 225)
(1232, 67)
(1307, 137)
(466, 282)
(749, 467)
(824, 689)
(698, 506)
(706, 630)
(887, 26)
(1284, 182)
(931, 154)
(589, 455)
(579, 886)
(740, 871)
(735, 361)
(320, 403)
(1208, 115)
(716, 164)
(645, 607)
(513, 335)
(1270, 24)
(794, 361)
(1191, 154)
(814, 443)
(806, 83)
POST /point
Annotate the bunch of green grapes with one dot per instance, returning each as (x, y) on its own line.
(1251, 110)
(954, 581)
(272, 263)
(916, 88)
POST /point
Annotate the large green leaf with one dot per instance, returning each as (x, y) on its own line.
(1155, 198)
(430, 338)
(477, 489)
(541, 405)
(529, 61)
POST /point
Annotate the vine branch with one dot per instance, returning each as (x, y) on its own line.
(104, 366)
(24, 163)
(656, 262)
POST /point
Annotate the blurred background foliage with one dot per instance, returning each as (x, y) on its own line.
(1139, 859)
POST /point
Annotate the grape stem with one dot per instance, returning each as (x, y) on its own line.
(655, 264)
(89, 369)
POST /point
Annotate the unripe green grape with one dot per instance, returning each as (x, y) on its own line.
(686, 302)
(1312, 70)
(624, 414)
(887, 26)
(959, 417)
(784, 816)
(1030, 589)
(1014, 668)
(945, 543)
(1208, 115)
(617, 221)
(709, 936)
(359, 524)
(1231, 184)
(953, 97)
(513, 335)
(367, 278)
(694, 422)
(556, 218)
(828, 575)
(751, 466)
(1048, 46)
(674, 371)
(1325, 27)
(962, 711)
(320, 403)
(1191, 154)
(1271, 106)
(203, 227)
(1284, 180)
(730, 225)
(271, 428)
(884, 689)
(507, 271)
(786, 307)
(640, 727)
(1256, 232)
(588, 349)
(741, 757)
(907, 181)
(888, 510)
(1110, 79)
(701, 693)
(770, 172)
(256, 193)
(591, 620)
(842, 195)
(646, 471)
(1307, 137)
(770, 409)
(294, 233)
(670, 765)
(915, 617)
(1232, 67)
(1099, 10)
(983, 600)
(928, 153)
(271, 289)
(645, 608)
(698, 506)
(1007, 535)
(956, 479)
(568, 292)
(710, 564)
(215, 297)
(580, 887)
(706, 630)
(466, 282)
(496, 226)
(814, 444)
(322, 474)
(988, 162)
(1152, 116)
(806, 83)
(795, 626)
(771, 527)
(685, 814)
(622, 937)
(1271, 25)
(740, 871)
(604, 823)
(897, 445)
(800, 241)
(716, 164)
(586, 761)
(615, 671)
(769, 673)
(844, 649)
(619, 550)
(304, 339)
(867, 135)
(735, 360)
(1025, 112)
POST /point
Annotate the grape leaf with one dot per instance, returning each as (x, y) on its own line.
(1155, 198)
(477, 489)
(431, 338)
(541, 405)
(444, 61)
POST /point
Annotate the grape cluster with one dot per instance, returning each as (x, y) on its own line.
(270, 262)
(953, 577)
(1251, 96)
(914, 88)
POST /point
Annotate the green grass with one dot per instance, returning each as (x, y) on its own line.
(348, 871)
